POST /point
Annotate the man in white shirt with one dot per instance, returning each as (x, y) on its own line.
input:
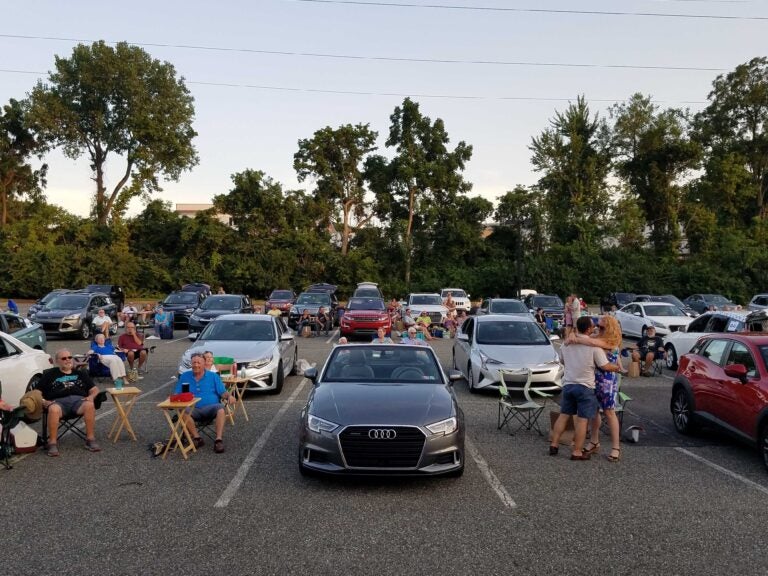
(102, 322)
(127, 314)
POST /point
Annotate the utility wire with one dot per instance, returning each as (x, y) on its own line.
(534, 10)
(384, 58)
(398, 94)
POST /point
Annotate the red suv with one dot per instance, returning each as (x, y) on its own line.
(723, 381)
(364, 316)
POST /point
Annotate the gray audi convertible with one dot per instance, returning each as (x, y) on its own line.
(382, 410)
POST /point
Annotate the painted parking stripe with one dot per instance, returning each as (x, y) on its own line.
(237, 480)
(489, 476)
(725, 471)
(332, 337)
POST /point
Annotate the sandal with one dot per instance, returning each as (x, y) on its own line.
(553, 450)
(593, 450)
(612, 458)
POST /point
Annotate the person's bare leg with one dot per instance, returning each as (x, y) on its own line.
(579, 434)
(559, 428)
(189, 424)
(613, 427)
(220, 418)
(594, 435)
(54, 415)
(88, 411)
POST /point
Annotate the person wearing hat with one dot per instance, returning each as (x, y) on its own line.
(68, 392)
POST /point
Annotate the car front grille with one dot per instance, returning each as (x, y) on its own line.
(362, 451)
(369, 318)
(676, 328)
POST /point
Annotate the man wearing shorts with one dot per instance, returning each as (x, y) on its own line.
(210, 389)
(578, 396)
(68, 392)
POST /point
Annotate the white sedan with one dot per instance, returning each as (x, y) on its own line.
(20, 367)
(681, 342)
(486, 344)
(635, 318)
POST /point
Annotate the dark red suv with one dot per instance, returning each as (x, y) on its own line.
(723, 382)
(364, 316)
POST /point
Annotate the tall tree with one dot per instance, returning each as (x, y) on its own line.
(17, 145)
(334, 158)
(574, 156)
(105, 101)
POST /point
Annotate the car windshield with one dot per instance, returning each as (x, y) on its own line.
(387, 365)
(365, 304)
(547, 301)
(663, 310)
(313, 299)
(106, 288)
(50, 296)
(669, 299)
(67, 302)
(239, 330)
(507, 307)
(454, 293)
(221, 303)
(181, 298)
(510, 333)
(372, 292)
(281, 295)
(717, 299)
(426, 300)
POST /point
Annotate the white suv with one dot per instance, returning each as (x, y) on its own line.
(460, 298)
(429, 303)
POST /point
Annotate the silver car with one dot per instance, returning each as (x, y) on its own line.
(486, 344)
(262, 346)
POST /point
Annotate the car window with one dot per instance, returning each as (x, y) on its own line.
(662, 310)
(547, 302)
(240, 330)
(740, 354)
(714, 350)
(426, 300)
(508, 333)
(313, 299)
(698, 325)
(181, 298)
(221, 303)
(508, 307)
(14, 323)
(7, 349)
(468, 327)
(68, 302)
(630, 309)
(717, 324)
(365, 304)
(382, 365)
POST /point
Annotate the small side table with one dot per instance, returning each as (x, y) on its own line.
(124, 400)
(236, 386)
(178, 430)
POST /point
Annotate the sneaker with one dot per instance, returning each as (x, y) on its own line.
(218, 446)
(53, 450)
(139, 377)
(92, 446)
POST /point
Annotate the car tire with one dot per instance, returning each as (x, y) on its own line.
(295, 364)
(682, 411)
(455, 366)
(85, 331)
(279, 380)
(644, 332)
(671, 360)
(32, 384)
(471, 380)
(763, 443)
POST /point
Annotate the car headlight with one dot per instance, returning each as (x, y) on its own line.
(659, 325)
(189, 310)
(485, 360)
(444, 427)
(260, 363)
(549, 365)
(71, 318)
(319, 425)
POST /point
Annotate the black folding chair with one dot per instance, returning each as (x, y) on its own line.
(71, 423)
(8, 419)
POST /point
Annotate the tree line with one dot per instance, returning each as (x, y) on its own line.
(644, 198)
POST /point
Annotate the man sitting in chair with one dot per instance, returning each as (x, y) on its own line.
(66, 393)
(210, 389)
(649, 347)
(323, 320)
(102, 322)
(132, 343)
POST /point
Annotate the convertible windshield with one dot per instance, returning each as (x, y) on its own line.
(365, 304)
(382, 365)
(426, 300)
(509, 333)
(221, 303)
(508, 307)
(181, 298)
(240, 330)
(313, 299)
(663, 310)
(67, 302)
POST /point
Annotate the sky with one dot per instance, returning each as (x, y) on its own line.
(252, 105)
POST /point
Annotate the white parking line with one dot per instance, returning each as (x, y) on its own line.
(256, 449)
(725, 471)
(489, 476)
(333, 337)
(112, 410)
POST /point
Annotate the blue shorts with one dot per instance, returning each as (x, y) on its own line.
(579, 400)
(206, 412)
(69, 405)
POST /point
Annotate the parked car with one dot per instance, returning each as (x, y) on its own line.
(702, 302)
(381, 410)
(364, 316)
(635, 318)
(115, 292)
(20, 366)
(282, 298)
(486, 344)
(368, 290)
(183, 304)
(672, 299)
(72, 313)
(432, 304)
(310, 301)
(503, 306)
(44, 300)
(723, 382)
(199, 287)
(330, 289)
(618, 299)
(218, 305)
(758, 302)
(678, 343)
(261, 345)
(460, 298)
(551, 304)
(23, 329)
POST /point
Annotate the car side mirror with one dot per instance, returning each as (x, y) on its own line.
(286, 337)
(453, 376)
(463, 337)
(311, 375)
(193, 336)
(737, 371)
(636, 314)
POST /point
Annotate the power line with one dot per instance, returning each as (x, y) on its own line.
(384, 58)
(390, 94)
(534, 10)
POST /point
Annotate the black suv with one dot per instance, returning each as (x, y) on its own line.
(218, 305)
(115, 292)
(182, 304)
(199, 287)
(73, 313)
(312, 301)
(552, 305)
(618, 299)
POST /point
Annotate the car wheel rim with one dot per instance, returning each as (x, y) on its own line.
(671, 358)
(681, 411)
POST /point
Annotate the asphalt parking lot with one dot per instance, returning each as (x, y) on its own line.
(673, 505)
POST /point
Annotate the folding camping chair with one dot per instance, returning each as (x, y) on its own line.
(525, 414)
(70, 424)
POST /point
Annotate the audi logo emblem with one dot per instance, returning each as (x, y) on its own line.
(382, 434)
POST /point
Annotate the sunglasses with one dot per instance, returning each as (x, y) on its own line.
(65, 357)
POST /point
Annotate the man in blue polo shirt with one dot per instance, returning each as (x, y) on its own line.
(211, 390)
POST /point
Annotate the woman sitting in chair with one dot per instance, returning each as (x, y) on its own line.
(108, 356)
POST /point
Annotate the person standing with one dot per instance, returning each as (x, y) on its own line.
(568, 315)
(578, 396)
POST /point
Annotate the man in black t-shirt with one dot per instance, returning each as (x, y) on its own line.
(68, 392)
(648, 347)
